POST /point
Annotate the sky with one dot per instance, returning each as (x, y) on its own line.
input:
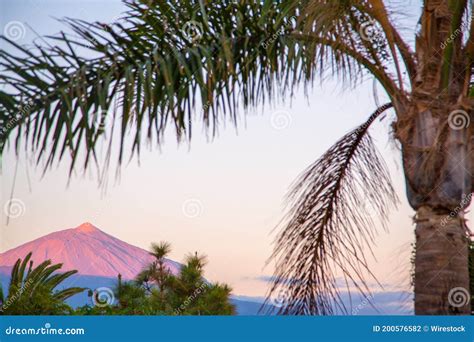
(222, 197)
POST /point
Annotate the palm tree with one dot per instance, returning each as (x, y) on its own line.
(32, 290)
(167, 58)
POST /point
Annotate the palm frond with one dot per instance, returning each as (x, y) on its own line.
(52, 281)
(68, 292)
(362, 26)
(149, 70)
(329, 225)
(43, 277)
(457, 8)
(164, 60)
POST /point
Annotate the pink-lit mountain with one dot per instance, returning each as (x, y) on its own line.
(88, 250)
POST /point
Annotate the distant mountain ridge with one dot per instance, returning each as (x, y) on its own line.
(88, 250)
(98, 257)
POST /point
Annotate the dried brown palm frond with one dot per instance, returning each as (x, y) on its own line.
(329, 225)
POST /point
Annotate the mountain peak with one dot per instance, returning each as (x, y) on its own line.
(86, 227)
(88, 250)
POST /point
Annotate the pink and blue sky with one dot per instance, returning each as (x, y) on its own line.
(221, 197)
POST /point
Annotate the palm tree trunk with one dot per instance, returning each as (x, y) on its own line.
(441, 263)
(437, 167)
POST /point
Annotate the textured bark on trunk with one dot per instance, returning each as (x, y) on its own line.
(441, 263)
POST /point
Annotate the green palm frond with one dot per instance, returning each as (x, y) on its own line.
(36, 283)
(148, 69)
(48, 272)
(34, 277)
(67, 293)
(329, 225)
(21, 271)
(365, 28)
(164, 60)
(56, 279)
(458, 8)
(16, 278)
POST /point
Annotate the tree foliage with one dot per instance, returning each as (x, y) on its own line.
(156, 291)
(33, 290)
